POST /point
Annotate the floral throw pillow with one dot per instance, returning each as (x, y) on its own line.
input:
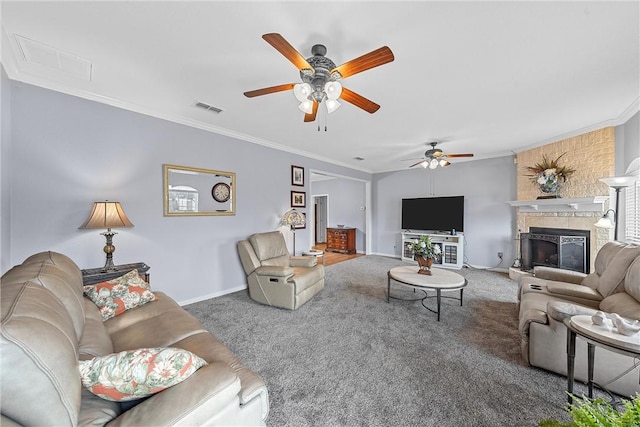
(135, 374)
(115, 296)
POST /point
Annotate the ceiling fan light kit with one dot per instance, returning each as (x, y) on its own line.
(320, 76)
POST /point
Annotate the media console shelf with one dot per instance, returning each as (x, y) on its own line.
(451, 246)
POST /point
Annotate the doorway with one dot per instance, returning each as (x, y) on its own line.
(321, 214)
(334, 194)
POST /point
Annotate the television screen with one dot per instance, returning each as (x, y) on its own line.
(433, 214)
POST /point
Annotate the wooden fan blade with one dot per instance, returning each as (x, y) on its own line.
(365, 62)
(289, 52)
(359, 101)
(268, 90)
(419, 163)
(459, 155)
(314, 110)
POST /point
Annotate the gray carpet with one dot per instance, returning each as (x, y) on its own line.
(349, 358)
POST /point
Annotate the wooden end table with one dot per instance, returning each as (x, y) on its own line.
(91, 276)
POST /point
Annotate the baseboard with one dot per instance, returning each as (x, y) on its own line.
(213, 295)
(385, 255)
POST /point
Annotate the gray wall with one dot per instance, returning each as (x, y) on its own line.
(5, 113)
(60, 153)
(627, 143)
(489, 221)
(66, 152)
(346, 198)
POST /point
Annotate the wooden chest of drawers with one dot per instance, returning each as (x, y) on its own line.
(341, 240)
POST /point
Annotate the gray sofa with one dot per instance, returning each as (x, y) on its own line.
(48, 325)
(552, 295)
(276, 278)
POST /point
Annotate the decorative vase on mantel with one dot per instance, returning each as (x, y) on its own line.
(424, 264)
(550, 190)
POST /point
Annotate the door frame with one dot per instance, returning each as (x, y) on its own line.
(367, 221)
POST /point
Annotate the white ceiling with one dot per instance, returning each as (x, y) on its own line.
(490, 78)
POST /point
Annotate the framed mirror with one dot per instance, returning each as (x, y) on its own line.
(195, 191)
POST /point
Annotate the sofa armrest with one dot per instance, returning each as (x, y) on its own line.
(274, 270)
(572, 290)
(201, 398)
(558, 274)
(303, 261)
(563, 310)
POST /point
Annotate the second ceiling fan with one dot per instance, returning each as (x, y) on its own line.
(435, 157)
(321, 78)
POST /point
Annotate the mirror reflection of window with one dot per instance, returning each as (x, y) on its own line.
(183, 198)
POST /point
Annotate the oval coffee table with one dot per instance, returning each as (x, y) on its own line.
(440, 280)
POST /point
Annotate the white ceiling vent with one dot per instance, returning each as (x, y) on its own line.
(35, 52)
(208, 107)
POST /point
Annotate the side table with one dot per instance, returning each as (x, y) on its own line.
(315, 253)
(91, 276)
(601, 336)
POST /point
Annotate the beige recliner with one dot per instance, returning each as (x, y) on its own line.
(553, 295)
(276, 278)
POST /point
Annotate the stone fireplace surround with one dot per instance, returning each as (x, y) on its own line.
(584, 198)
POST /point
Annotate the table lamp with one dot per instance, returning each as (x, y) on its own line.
(107, 215)
(294, 219)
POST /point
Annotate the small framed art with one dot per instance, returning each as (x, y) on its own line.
(298, 199)
(297, 176)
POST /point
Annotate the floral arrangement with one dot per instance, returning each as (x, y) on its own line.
(425, 248)
(548, 173)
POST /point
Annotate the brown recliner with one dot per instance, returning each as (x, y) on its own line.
(274, 277)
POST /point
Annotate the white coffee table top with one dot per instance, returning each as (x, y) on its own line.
(440, 278)
(605, 333)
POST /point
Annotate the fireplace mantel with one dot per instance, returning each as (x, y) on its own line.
(580, 204)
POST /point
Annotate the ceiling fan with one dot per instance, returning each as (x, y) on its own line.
(435, 157)
(321, 78)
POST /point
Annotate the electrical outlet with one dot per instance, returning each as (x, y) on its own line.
(500, 255)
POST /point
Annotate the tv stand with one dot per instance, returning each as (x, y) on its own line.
(451, 246)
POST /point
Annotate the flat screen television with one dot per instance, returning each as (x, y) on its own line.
(433, 214)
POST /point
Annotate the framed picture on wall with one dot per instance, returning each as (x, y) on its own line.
(297, 176)
(298, 199)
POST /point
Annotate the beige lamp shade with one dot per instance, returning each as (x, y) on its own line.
(107, 215)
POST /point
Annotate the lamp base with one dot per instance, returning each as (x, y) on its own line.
(109, 249)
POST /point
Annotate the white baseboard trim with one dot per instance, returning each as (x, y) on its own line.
(386, 255)
(213, 295)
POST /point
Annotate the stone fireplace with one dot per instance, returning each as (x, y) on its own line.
(583, 199)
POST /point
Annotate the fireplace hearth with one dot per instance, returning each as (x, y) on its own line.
(555, 247)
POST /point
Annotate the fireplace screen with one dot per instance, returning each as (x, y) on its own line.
(555, 247)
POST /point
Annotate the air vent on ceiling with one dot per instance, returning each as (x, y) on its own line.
(358, 158)
(34, 52)
(208, 107)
